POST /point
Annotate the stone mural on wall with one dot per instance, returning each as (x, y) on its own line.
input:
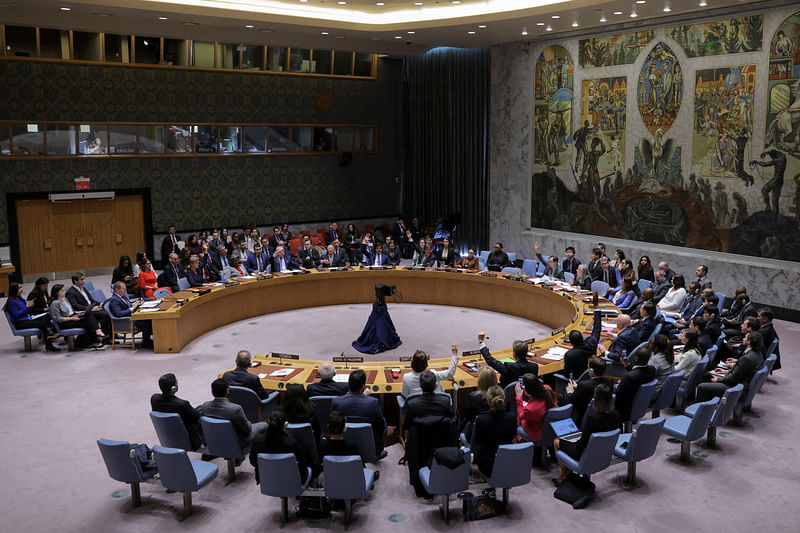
(730, 36)
(553, 109)
(660, 89)
(612, 50)
(602, 115)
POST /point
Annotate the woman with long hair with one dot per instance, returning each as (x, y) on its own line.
(124, 273)
(690, 354)
(40, 297)
(625, 296)
(673, 301)
(492, 429)
(66, 317)
(277, 440)
(645, 269)
(147, 282)
(18, 310)
(531, 413)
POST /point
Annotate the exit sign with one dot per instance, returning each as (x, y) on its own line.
(82, 183)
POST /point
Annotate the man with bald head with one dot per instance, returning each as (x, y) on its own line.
(627, 339)
(240, 377)
(326, 386)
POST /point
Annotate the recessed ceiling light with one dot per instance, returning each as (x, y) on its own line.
(549, 28)
(524, 32)
(379, 3)
(248, 26)
(641, 1)
(417, 3)
(323, 33)
(633, 14)
(341, 2)
(603, 18)
(574, 24)
(703, 3)
(667, 9)
(555, 16)
(65, 8)
(412, 32)
(303, 1)
(266, 30)
(456, 1)
(187, 23)
(481, 26)
(540, 23)
(162, 18)
(618, 12)
(398, 36)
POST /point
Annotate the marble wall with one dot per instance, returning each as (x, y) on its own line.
(768, 280)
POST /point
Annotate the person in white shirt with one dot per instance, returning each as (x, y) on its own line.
(690, 355)
(419, 363)
(675, 297)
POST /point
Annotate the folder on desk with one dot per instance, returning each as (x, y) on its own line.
(281, 373)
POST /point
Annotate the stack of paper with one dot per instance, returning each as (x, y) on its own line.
(556, 353)
(283, 372)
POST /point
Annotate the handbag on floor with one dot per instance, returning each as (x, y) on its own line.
(481, 507)
(314, 507)
(576, 490)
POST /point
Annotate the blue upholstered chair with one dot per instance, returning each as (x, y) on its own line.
(280, 478)
(688, 429)
(304, 435)
(222, 441)
(360, 434)
(163, 292)
(746, 400)
(548, 435)
(644, 284)
(569, 277)
(67, 333)
(509, 270)
(770, 362)
(641, 402)
(89, 286)
(667, 393)
(25, 333)
(687, 389)
(120, 325)
(346, 479)
(638, 445)
(322, 409)
(512, 256)
(121, 467)
(181, 474)
(183, 284)
(171, 430)
(529, 267)
(98, 295)
(600, 287)
(512, 467)
(595, 457)
(656, 331)
(255, 409)
(722, 414)
(483, 256)
(442, 481)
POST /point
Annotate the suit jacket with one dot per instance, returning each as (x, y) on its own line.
(327, 387)
(645, 327)
(450, 260)
(240, 377)
(195, 279)
(629, 386)
(77, 300)
(426, 260)
(170, 276)
(582, 396)
(309, 258)
(497, 260)
(768, 333)
(509, 372)
(216, 266)
(660, 290)
(714, 329)
(225, 409)
(395, 257)
(626, 340)
(252, 263)
(364, 407)
(743, 371)
(705, 283)
(167, 247)
(290, 263)
(427, 404)
(704, 342)
(570, 265)
(384, 259)
(330, 237)
(577, 358)
(120, 307)
(594, 268)
(493, 429)
(338, 259)
(189, 415)
(609, 276)
(274, 242)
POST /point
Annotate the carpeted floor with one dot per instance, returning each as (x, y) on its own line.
(57, 405)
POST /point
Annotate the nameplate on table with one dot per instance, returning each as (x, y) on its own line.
(557, 331)
(470, 352)
(489, 274)
(529, 341)
(264, 276)
(203, 291)
(231, 283)
(348, 359)
(285, 355)
(407, 358)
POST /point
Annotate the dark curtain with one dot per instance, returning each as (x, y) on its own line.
(446, 99)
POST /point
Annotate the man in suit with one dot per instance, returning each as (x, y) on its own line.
(660, 287)
(768, 333)
(427, 258)
(703, 340)
(713, 324)
(275, 239)
(627, 339)
(333, 234)
(172, 273)
(647, 296)
(394, 254)
(332, 258)
(308, 256)
(739, 311)
(80, 300)
(668, 272)
(282, 263)
(169, 245)
(258, 261)
(594, 268)
(741, 370)
(224, 409)
(242, 253)
(570, 262)
(326, 386)
(640, 374)
(240, 377)
(702, 277)
(497, 259)
(580, 394)
(733, 347)
(647, 321)
(378, 258)
(607, 273)
(553, 270)
(120, 306)
(168, 402)
(218, 264)
(582, 349)
(357, 404)
(509, 372)
(428, 403)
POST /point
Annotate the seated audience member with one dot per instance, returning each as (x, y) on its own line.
(647, 296)
(582, 350)
(662, 358)
(366, 408)
(476, 401)
(281, 263)
(733, 347)
(676, 296)
(668, 272)
(240, 377)
(352, 243)
(741, 308)
(427, 258)
(646, 322)
(660, 287)
(275, 239)
(690, 306)
(120, 306)
(640, 374)
(258, 262)
(172, 272)
(218, 264)
(625, 296)
(419, 250)
(470, 262)
(298, 409)
(509, 372)
(739, 370)
(286, 235)
(66, 317)
(169, 244)
(124, 272)
(377, 257)
(194, 274)
(580, 394)
(81, 300)
(494, 428)
(234, 270)
(713, 322)
(224, 409)
(333, 233)
(168, 402)
(582, 278)
(702, 277)
(147, 281)
(367, 247)
(736, 304)
(703, 340)
(394, 254)
(18, 310)
(627, 339)
(690, 353)
(768, 334)
(333, 443)
(531, 413)
(570, 262)
(308, 256)
(604, 418)
(607, 274)
(497, 259)
(625, 270)
(40, 297)
(275, 439)
(447, 256)
(428, 403)
(241, 253)
(552, 268)
(326, 386)
(193, 244)
(644, 269)
(334, 257)
(419, 362)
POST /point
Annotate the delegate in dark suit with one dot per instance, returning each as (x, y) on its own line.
(549, 270)
(427, 404)
(195, 279)
(570, 265)
(309, 257)
(81, 300)
(594, 268)
(288, 264)
(225, 409)
(492, 429)
(626, 341)
(582, 396)
(258, 263)
(577, 357)
(169, 245)
(660, 290)
(121, 307)
(378, 260)
(338, 259)
(629, 386)
(170, 276)
(509, 372)
(331, 235)
(167, 403)
(327, 387)
(645, 327)
(742, 372)
(366, 408)
(427, 260)
(497, 260)
(240, 377)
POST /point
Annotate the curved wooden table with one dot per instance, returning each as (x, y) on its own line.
(176, 325)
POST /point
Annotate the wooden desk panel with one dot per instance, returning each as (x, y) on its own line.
(5, 270)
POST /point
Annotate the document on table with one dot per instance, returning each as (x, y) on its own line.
(283, 372)
(341, 378)
(153, 303)
(148, 310)
(262, 375)
(556, 353)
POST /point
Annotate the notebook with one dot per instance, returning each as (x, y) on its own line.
(566, 430)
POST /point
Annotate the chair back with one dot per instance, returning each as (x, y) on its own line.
(163, 292)
(694, 377)
(711, 353)
(556, 413)
(668, 391)
(644, 284)
(752, 387)
(175, 469)
(512, 465)
(88, 285)
(444, 480)
(360, 434)
(656, 331)
(118, 324)
(727, 405)
(247, 399)
(322, 410)
(64, 331)
(642, 399)
(529, 267)
(720, 339)
(19, 332)
(597, 455)
(344, 477)
(304, 436)
(483, 256)
(770, 362)
(279, 475)
(633, 305)
(569, 277)
(644, 439)
(701, 419)
(600, 287)
(183, 284)
(721, 296)
(221, 438)
(117, 456)
(509, 270)
(97, 295)
(511, 396)
(773, 347)
(512, 256)
(171, 430)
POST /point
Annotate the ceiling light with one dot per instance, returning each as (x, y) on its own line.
(481, 26)
(65, 8)
(102, 14)
(618, 12)
(187, 23)
(575, 24)
(162, 18)
(146, 43)
(323, 33)
(667, 9)
(603, 18)
(248, 26)
(556, 16)
(412, 32)
(633, 14)
(398, 36)
(524, 31)
(549, 28)
(471, 32)
(456, 1)
(641, 1)
(341, 2)
(540, 23)
(417, 3)
(703, 3)
(379, 3)
(303, 1)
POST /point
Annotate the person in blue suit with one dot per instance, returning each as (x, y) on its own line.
(258, 261)
(378, 258)
(120, 306)
(357, 404)
(627, 339)
(281, 262)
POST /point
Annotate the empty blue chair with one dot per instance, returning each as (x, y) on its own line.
(88, 285)
(641, 402)
(529, 267)
(638, 445)
(181, 474)
(280, 478)
(600, 287)
(346, 479)
(442, 481)
(24, 333)
(163, 292)
(98, 295)
(171, 430)
(222, 441)
(360, 434)
(722, 414)
(121, 467)
(667, 393)
(512, 256)
(512, 467)
(484, 255)
(183, 284)
(569, 277)
(509, 270)
(595, 457)
(688, 429)
(67, 333)
(304, 435)
(746, 399)
(770, 362)
(686, 390)
(322, 409)
(644, 284)
(255, 409)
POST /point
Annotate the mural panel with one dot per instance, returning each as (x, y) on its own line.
(730, 36)
(660, 89)
(603, 116)
(552, 137)
(613, 49)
